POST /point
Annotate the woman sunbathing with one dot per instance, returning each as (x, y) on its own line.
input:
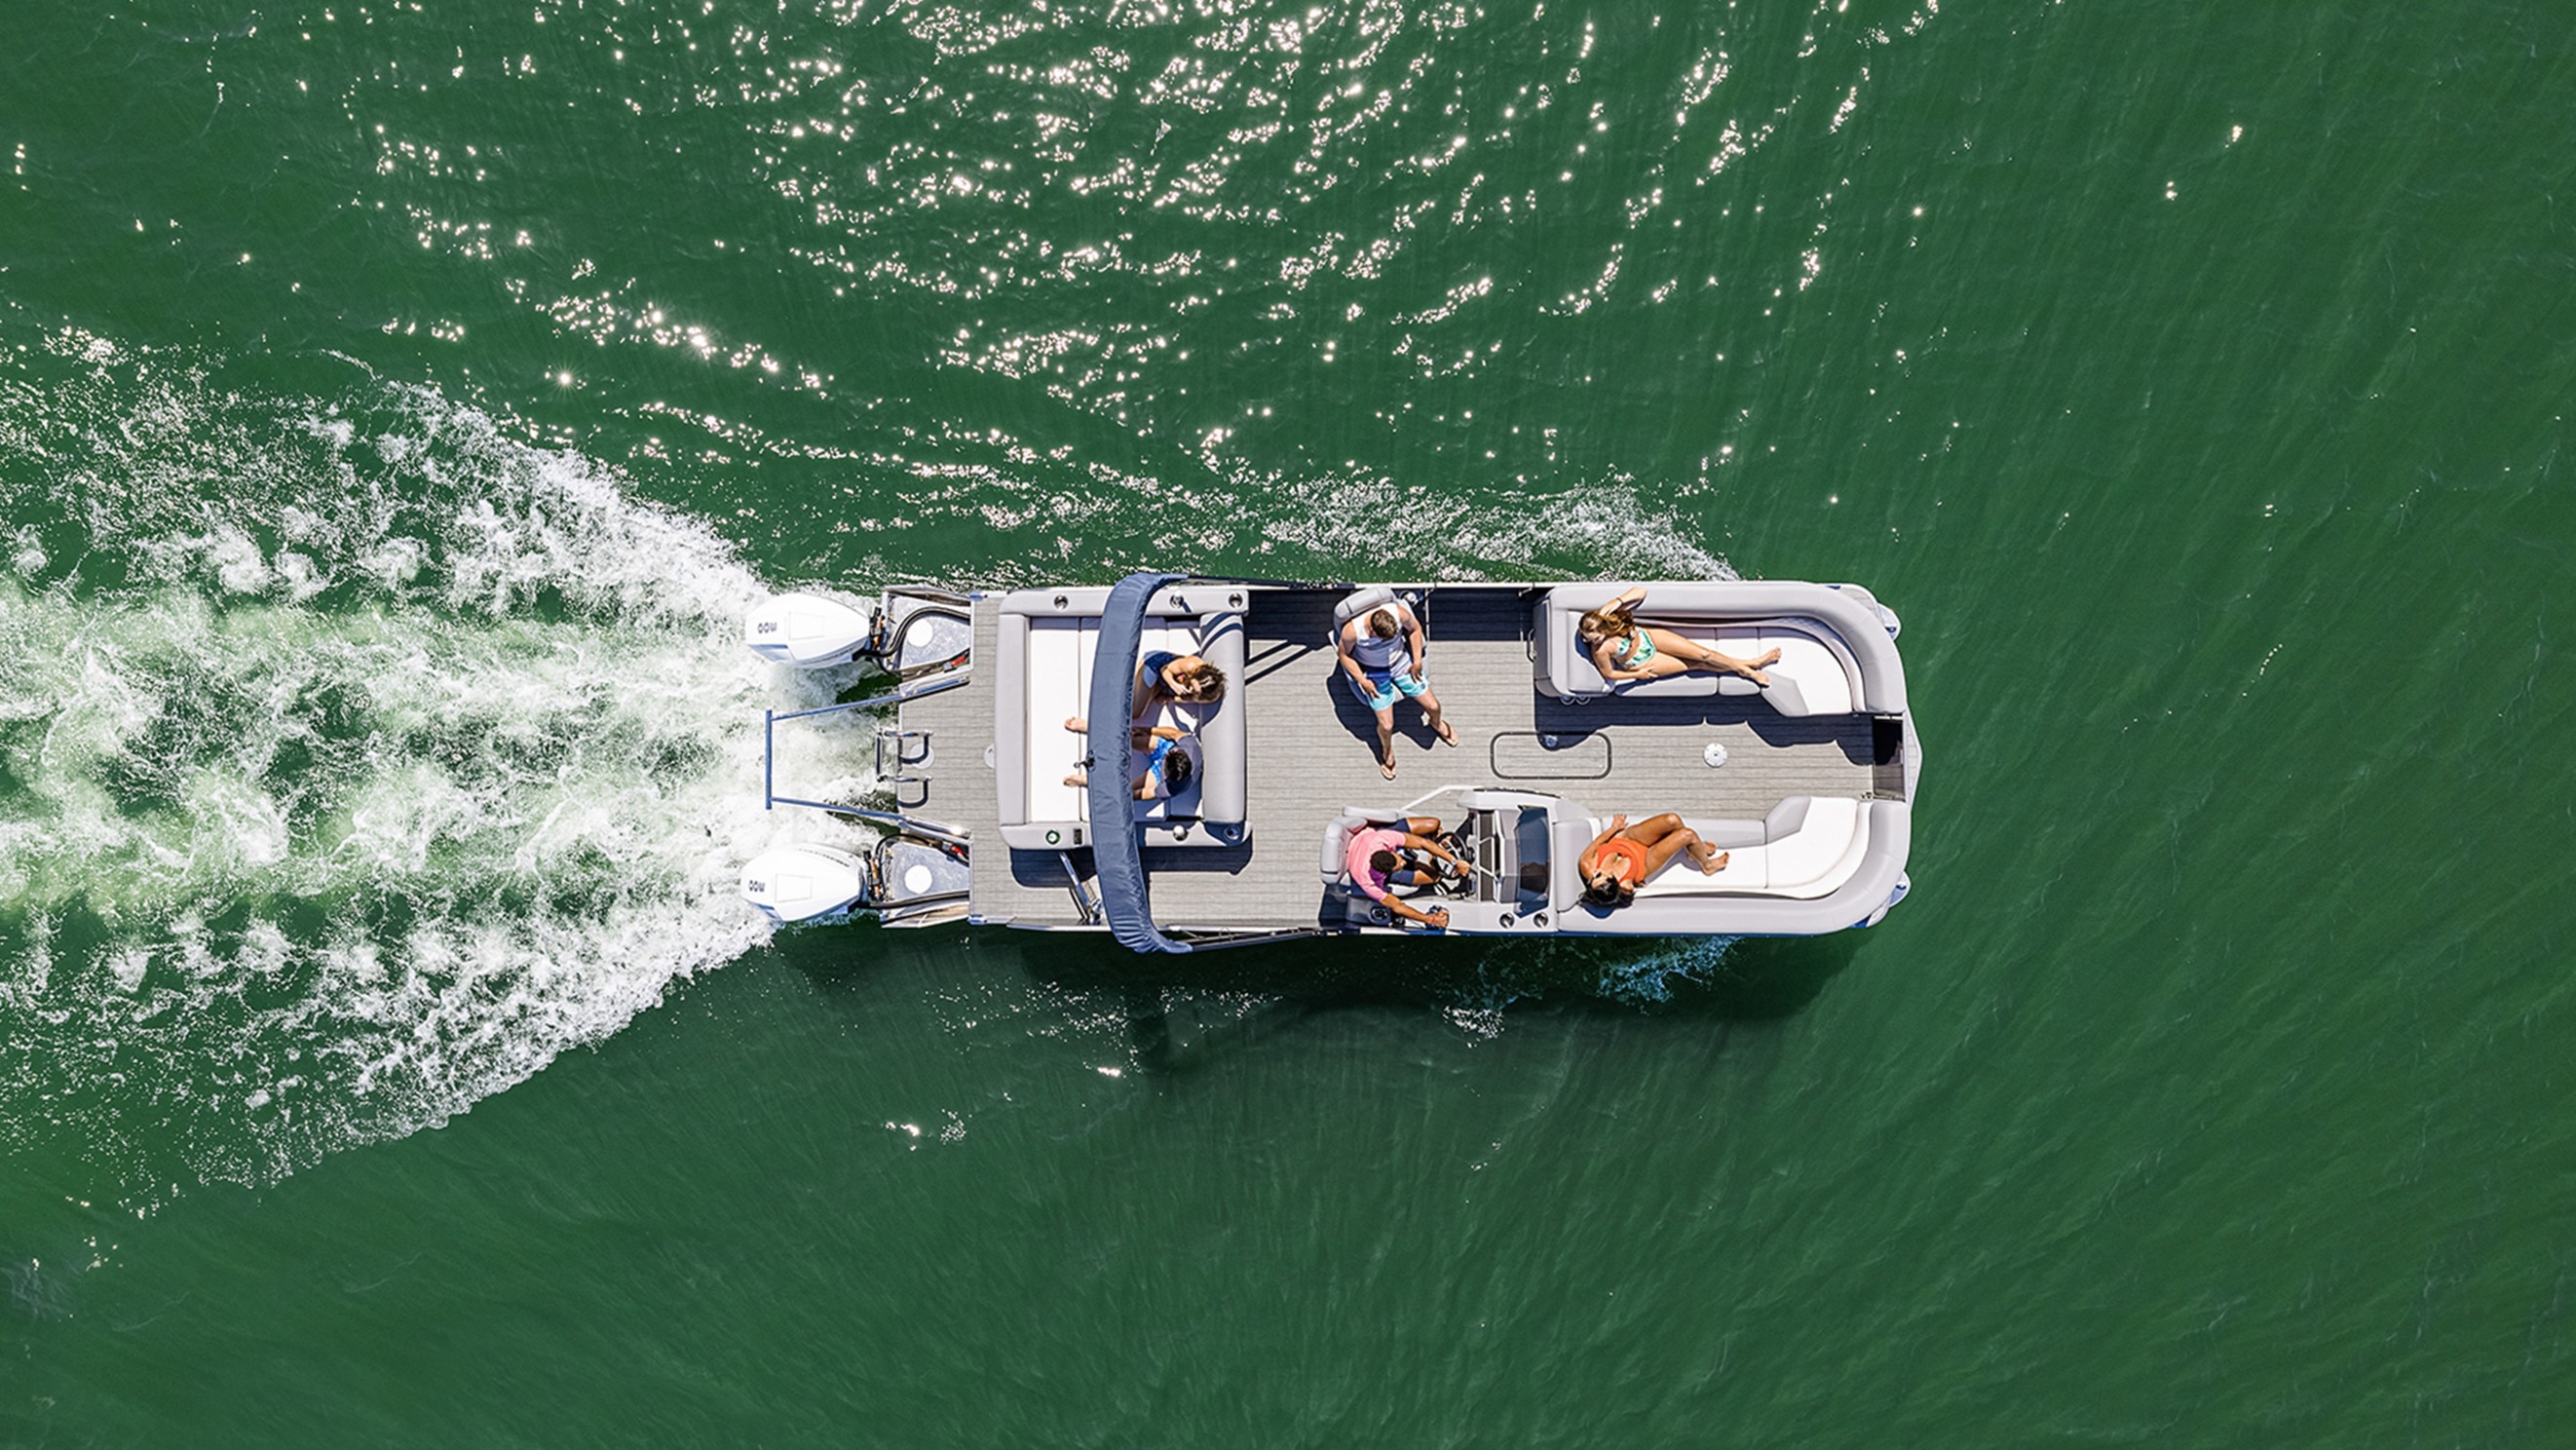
(1621, 858)
(1623, 649)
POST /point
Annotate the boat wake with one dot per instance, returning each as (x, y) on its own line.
(355, 761)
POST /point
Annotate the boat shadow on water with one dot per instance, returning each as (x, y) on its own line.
(1183, 1012)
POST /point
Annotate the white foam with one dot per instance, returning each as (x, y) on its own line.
(398, 757)
(1355, 525)
(1652, 974)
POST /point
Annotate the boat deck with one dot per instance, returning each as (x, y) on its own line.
(1310, 747)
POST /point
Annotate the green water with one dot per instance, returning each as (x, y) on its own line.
(399, 403)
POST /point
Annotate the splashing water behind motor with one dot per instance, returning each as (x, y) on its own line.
(355, 760)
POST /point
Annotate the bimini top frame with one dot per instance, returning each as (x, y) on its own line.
(1117, 855)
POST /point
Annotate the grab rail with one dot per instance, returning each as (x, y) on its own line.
(771, 800)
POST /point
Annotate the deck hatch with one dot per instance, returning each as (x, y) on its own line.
(1549, 755)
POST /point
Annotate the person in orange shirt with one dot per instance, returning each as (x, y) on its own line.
(1621, 858)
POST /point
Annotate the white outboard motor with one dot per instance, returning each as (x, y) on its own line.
(809, 631)
(799, 883)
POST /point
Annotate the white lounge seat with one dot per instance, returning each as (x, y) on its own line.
(1806, 848)
(1060, 654)
(1835, 654)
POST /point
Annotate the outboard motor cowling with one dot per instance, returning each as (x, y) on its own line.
(809, 631)
(800, 883)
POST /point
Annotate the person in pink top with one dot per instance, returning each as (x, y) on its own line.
(1375, 857)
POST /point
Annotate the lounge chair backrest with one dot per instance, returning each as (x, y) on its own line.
(1361, 601)
(1337, 840)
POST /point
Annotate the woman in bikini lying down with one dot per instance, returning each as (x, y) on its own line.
(1623, 649)
(1621, 858)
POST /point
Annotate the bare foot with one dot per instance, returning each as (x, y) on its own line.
(1711, 865)
(1757, 677)
(1077, 779)
(1077, 724)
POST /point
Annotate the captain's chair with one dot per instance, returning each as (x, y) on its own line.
(1365, 600)
(1333, 863)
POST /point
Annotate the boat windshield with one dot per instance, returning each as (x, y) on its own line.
(1532, 848)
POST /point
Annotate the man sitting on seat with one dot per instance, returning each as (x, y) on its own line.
(1384, 655)
(1374, 860)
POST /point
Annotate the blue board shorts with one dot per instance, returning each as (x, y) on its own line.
(1381, 690)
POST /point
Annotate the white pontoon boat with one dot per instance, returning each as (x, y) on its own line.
(1806, 783)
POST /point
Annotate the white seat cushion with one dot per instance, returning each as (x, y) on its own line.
(1823, 853)
(1813, 861)
(1823, 680)
(1745, 870)
(1061, 652)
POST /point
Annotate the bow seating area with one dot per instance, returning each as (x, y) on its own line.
(1806, 851)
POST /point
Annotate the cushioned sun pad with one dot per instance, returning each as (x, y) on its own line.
(1042, 677)
(1060, 657)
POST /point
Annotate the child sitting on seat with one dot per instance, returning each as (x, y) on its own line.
(1166, 769)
